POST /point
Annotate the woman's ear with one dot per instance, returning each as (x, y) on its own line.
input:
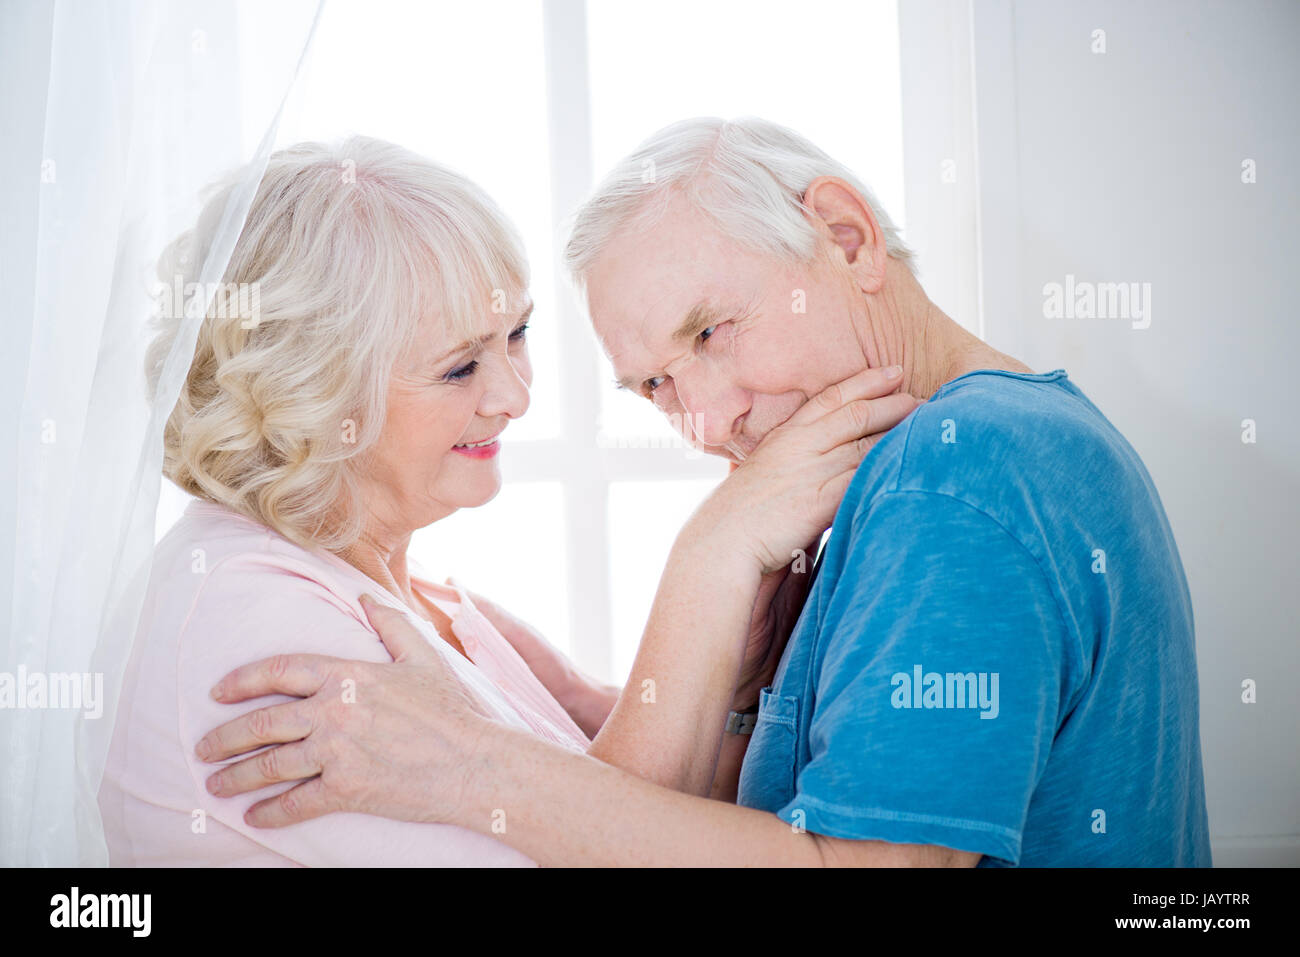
(838, 210)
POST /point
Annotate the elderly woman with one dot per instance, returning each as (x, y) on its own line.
(367, 399)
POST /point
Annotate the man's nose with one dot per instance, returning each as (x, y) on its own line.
(712, 406)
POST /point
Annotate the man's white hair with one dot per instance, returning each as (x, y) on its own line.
(748, 175)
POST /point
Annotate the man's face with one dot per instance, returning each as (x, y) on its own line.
(726, 342)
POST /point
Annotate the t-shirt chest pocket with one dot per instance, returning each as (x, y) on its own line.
(768, 776)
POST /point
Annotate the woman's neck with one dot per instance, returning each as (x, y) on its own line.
(386, 564)
(383, 559)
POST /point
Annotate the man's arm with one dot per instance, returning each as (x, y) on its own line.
(563, 808)
(557, 806)
(406, 736)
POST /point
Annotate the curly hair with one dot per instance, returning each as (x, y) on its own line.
(345, 251)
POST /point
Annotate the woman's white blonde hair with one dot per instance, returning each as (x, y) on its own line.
(347, 250)
(748, 175)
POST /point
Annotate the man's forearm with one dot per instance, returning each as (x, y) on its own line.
(668, 722)
(564, 808)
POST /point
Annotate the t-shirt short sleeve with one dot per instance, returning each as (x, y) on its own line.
(942, 671)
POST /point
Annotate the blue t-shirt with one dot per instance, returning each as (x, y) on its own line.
(997, 653)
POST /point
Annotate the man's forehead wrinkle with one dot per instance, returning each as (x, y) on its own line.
(645, 324)
(670, 289)
(638, 336)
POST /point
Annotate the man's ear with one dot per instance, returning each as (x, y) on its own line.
(839, 209)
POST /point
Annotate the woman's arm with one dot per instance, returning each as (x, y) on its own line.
(587, 701)
(668, 722)
(700, 642)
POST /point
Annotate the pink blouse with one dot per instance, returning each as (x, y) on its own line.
(225, 591)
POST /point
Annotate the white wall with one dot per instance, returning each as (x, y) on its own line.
(1127, 166)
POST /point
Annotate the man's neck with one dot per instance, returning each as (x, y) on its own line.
(911, 331)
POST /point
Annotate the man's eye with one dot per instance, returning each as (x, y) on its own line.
(651, 384)
(704, 336)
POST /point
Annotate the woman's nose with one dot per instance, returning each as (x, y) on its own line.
(507, 393)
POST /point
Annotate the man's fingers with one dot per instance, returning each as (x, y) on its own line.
(308, 800)
(867, 384)
(277, 724)
(290, 762)
(298, 675)
(402, 639)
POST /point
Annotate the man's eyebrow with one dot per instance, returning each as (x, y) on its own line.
(701, 316)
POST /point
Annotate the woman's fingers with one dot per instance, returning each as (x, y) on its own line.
(864, 417)
(842, 461)
(867, 384)
(402, 639)
(833, 489)
(290, 762)
(511, 628)
(274, 725)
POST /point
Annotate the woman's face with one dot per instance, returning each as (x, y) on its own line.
(448, 403)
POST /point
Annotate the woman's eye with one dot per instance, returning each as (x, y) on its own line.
(520, 334)
(462, 372)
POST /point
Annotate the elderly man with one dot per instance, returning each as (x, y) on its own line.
(995, 664)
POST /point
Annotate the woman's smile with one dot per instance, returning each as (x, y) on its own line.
(485, 449)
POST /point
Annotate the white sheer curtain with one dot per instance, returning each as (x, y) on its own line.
(120, 113)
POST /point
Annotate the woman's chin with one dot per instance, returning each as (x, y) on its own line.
(481, 492)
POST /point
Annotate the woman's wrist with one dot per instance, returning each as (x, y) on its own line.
(713, 538)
